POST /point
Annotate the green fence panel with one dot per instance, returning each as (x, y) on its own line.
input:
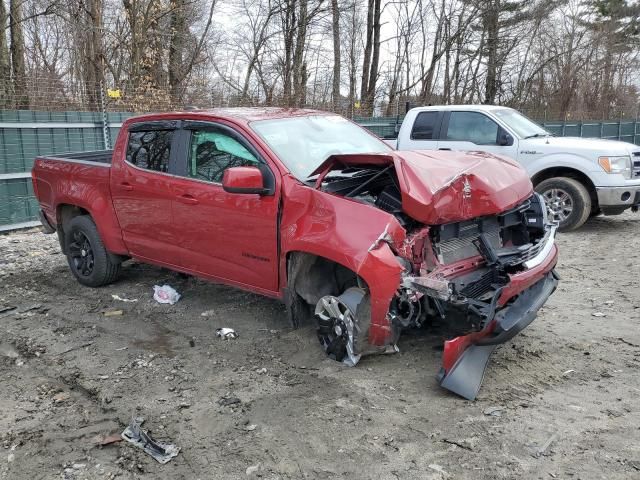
(17, 203)
(20, 145)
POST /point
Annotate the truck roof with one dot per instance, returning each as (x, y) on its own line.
(239, 114)
(473, 107)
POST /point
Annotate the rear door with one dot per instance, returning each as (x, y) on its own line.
(424, 132)
(224, 235)
(467, 131)
(141, 190)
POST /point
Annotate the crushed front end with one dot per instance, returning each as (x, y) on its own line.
(479, 282)
(469, 253)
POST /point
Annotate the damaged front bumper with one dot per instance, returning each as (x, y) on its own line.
(472, 352)
(484, 303)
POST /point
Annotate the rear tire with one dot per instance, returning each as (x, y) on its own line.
(568, 202)
(88, 259)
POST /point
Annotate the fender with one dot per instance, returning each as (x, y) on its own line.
(90, 191)
(562, 160)
(350, 233)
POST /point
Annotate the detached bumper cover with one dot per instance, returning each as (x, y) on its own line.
(465, 376)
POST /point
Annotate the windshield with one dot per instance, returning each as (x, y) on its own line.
(524, 127)
(303, 143)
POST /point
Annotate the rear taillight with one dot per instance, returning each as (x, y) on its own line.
(35, 186)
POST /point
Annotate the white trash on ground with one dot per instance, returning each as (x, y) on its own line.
(226, 333)
(165, 294)
(122, 299)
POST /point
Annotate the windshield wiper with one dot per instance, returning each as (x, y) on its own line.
(537, 135)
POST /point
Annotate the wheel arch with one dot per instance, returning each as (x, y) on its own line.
(554, 172)
(309, 272)
(65, 212)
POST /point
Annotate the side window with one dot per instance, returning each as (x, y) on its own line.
(150, 149)
(212, 152)
(472, 127)
(424, 125)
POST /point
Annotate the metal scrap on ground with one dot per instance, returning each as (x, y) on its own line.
(226, 333)
(162, 452)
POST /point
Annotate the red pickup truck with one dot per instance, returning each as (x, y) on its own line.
(310, 208)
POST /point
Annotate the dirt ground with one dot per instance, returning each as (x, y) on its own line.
(559, 401)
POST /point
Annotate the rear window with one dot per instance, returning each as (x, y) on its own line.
(424, 126)
(150, 149)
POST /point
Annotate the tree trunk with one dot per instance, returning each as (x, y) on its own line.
(491, 26)
(375, 58)
(17, 57)
(176, 48)
(5, 63)
(299, 68)
(94, 56)
(366, 62)
(288, 32)
(352, 61)
(335, 90)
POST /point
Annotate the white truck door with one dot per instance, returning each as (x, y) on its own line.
(467, 131)
(422, 132)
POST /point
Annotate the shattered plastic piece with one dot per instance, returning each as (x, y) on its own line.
(439, 469)
(598, 314)
(226, 333)
(227, 401)
(109, 439)
(493, 411)
(118, 297)
(165, 294)
(162, 452)
(252, 469)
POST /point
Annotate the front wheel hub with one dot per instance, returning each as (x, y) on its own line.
(559, 204)
(337, 325)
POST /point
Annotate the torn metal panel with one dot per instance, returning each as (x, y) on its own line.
(162, 452)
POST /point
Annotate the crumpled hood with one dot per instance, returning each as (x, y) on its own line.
(446, 186)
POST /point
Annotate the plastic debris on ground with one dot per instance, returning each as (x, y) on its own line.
(226, 333)
(162, 452)
(165, 294)
(118, 297)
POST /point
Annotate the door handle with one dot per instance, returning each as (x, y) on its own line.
(444, 149)
(126, 186)
(187, 199)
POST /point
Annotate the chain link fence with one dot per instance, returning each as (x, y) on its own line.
(49, 117)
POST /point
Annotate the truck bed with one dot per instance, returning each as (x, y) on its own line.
(98, 156)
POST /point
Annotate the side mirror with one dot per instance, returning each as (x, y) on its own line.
(243, 180)
(505, 140)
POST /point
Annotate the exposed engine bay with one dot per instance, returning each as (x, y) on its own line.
(438, 283)
(454, 274)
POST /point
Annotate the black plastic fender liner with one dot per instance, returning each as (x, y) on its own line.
(46, 225)
(466, 375)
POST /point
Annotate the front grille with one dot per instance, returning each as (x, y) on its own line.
(635, 167)
(526, 254)
(484, 284)
(456, 249)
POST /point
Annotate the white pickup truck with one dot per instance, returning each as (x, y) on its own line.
(578, 177)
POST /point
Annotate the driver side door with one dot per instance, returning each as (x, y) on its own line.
(227, 236)
(475, 131)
